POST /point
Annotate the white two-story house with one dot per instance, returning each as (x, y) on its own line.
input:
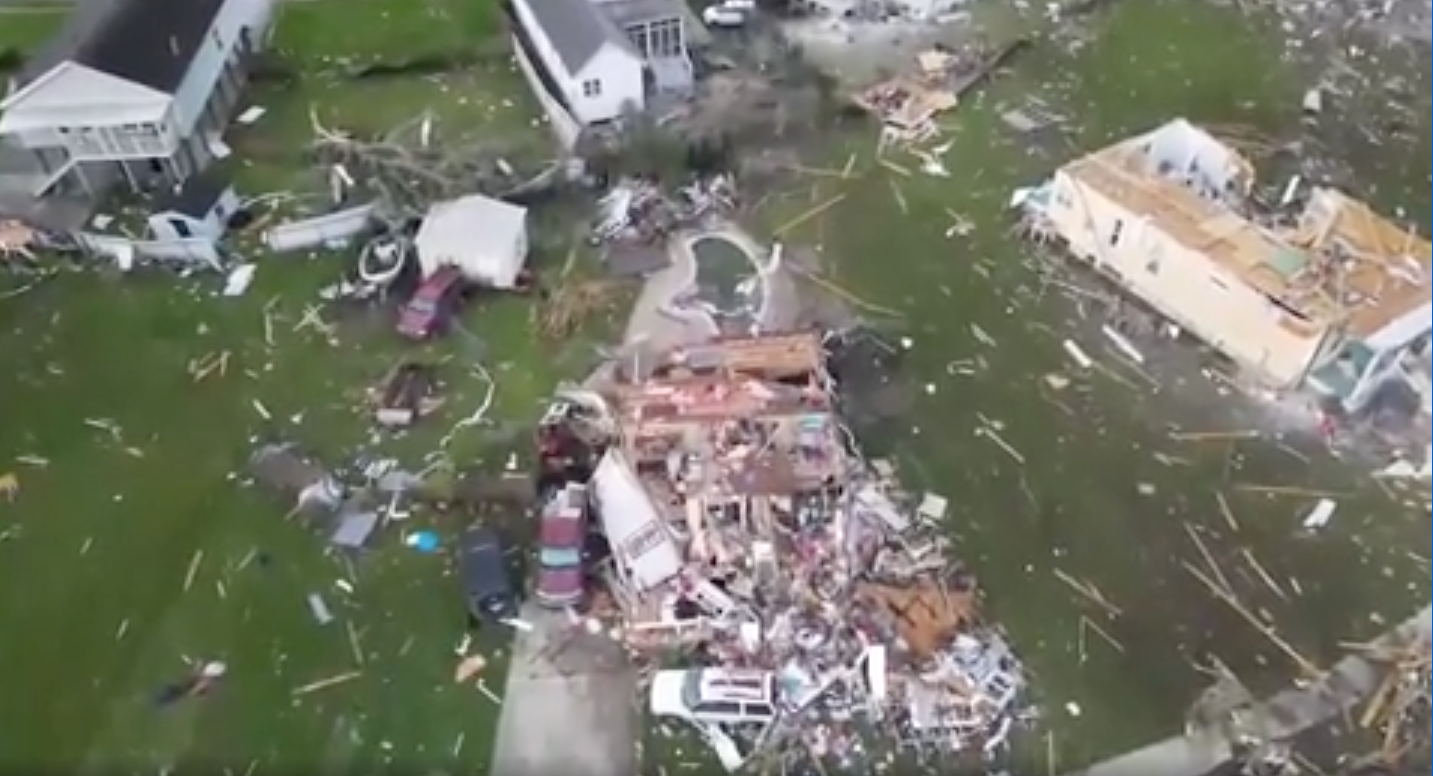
(132, 91)
(602, 59)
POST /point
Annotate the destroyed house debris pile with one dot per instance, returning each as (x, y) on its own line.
(747, 531)
(909, 103)
(638, 215)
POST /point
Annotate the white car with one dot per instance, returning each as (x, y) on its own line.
(716, 696)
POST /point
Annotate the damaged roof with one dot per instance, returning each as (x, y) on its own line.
(196, 196)
(1307, 268)
(781, 355)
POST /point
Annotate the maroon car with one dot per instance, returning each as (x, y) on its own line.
(433, 305)
(562, 534)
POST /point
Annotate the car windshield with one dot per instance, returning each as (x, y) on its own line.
(421, 307)
(559, 558)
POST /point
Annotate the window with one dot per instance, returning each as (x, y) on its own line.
(721, 708)
(666, 39)
(592, 88)
(759, 710)
(181, 228)
(1117, 233)
(554, 558)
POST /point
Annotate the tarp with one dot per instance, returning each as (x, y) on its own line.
(636, 531)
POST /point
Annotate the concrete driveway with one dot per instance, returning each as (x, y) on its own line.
(568, 706)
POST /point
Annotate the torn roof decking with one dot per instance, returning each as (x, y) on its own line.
(777, 356)
(658, 405)
(1251, 252)
(1336, 219)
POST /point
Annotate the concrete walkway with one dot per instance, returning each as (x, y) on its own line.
(1287, 714)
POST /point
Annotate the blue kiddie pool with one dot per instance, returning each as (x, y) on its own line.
(423, 541)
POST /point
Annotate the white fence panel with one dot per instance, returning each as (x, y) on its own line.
(314, 232)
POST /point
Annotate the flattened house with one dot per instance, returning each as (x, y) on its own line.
(133, 91)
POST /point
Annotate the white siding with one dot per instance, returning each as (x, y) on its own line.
(618, 76)
(1184, 285)
(208, 65)
(634, 526)
(72, 95)
(618, 72)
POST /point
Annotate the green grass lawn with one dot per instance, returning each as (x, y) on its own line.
(101, 541)
(24, 30)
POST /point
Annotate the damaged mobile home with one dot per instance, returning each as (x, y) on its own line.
(806, 590)
(1328, 295)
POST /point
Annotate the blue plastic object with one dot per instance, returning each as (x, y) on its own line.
(423, 541)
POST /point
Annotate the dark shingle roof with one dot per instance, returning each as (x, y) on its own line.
(576, 29)
(148, 42)
(196, 196)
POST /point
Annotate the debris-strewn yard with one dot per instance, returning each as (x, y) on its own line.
(1085, 534)
(133, 545)
(1137, 528)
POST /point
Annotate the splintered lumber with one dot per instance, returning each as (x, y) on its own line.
(1227, 596)
(1208, 557)
(324, 684)
(809, 214)
(1286, 490)
(1090, 592)
(1373, 713)
(848, 296)
(1086, 622)
(1226, 511)
(1214, 436)
(1264, 574)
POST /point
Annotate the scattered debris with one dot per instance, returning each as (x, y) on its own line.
(750, 536)
(324, 684)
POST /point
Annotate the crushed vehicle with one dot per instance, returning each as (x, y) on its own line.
(483, 571)
(718, 696)
(431, 309)
(562, 535)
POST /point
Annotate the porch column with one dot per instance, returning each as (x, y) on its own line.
(129, 175)
(79, 171)
(45, 166)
